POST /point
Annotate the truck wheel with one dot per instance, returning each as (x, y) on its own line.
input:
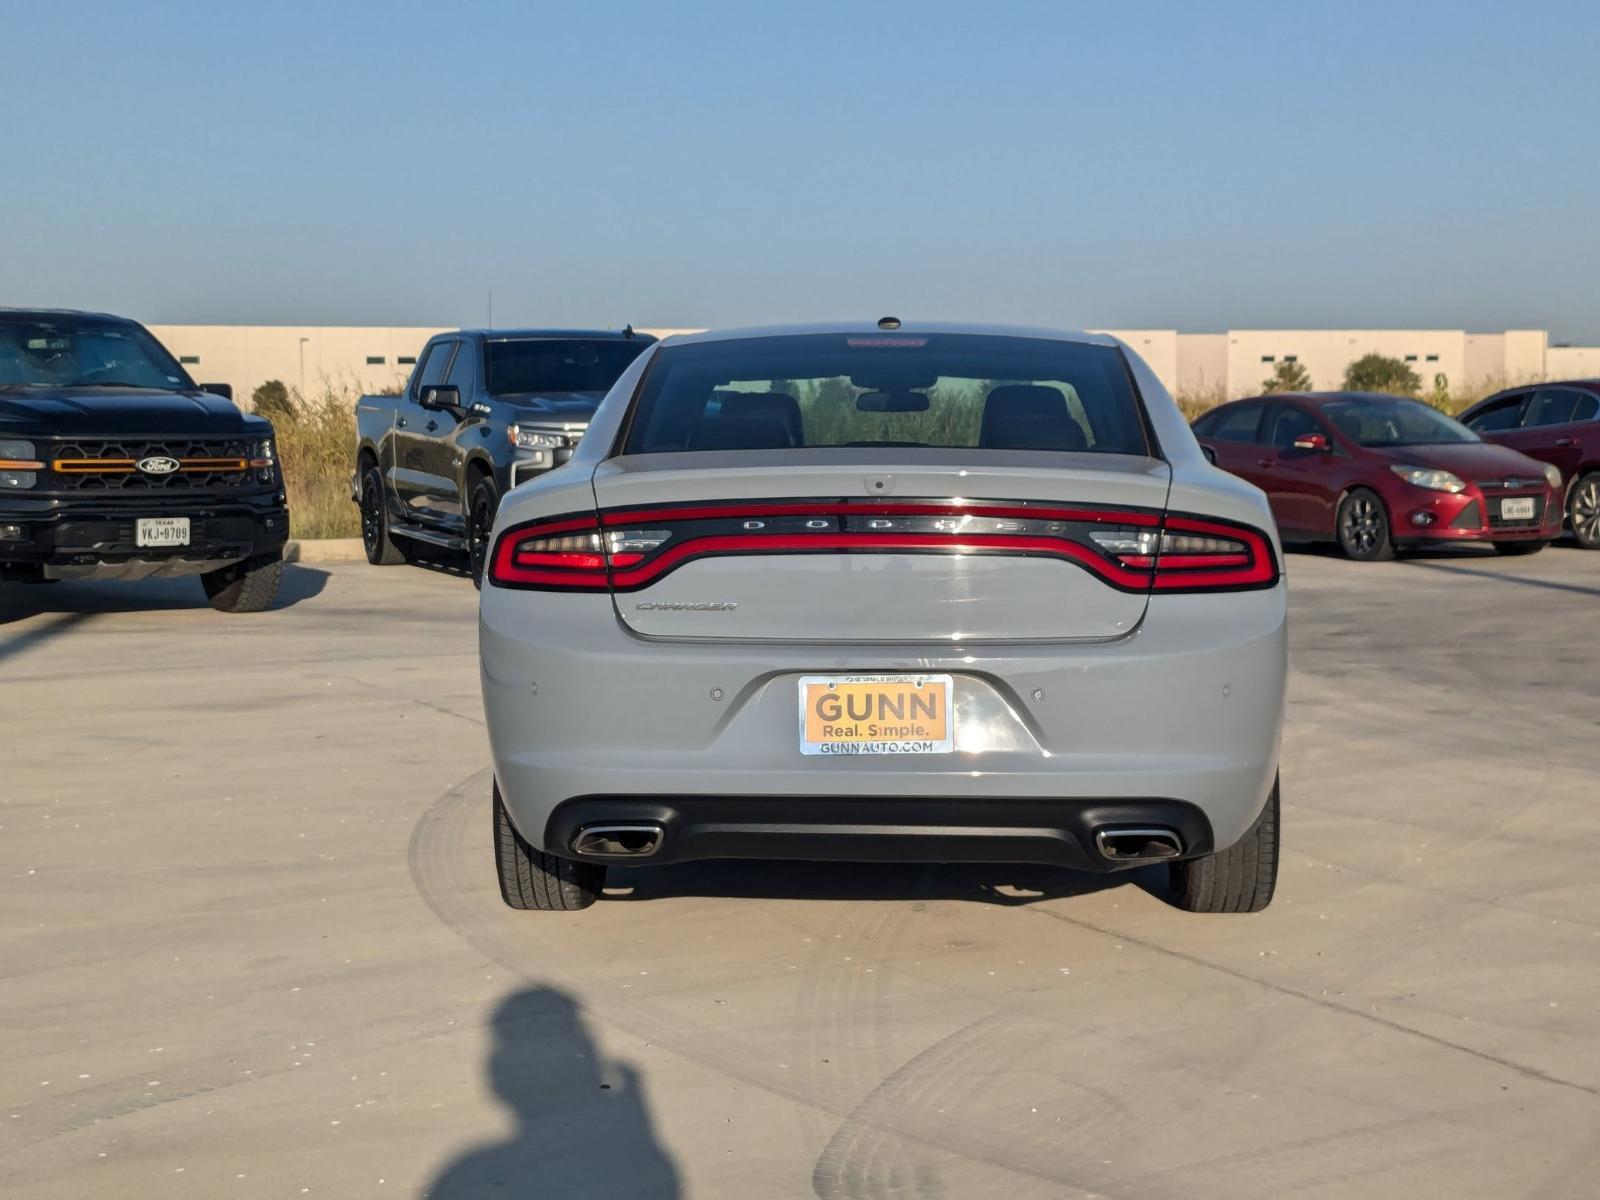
(247, 586)
(482, 504)
(1239, 879)
(382, 550)
(531, 878)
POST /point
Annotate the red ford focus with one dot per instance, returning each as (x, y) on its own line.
(1375, 472)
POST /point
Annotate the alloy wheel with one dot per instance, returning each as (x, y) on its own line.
(371, 516)
(1586, 511)
(480, 523)
(1362, 526)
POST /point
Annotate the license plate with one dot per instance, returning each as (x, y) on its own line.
(1519, 508)
(161, 531)
(877, 714)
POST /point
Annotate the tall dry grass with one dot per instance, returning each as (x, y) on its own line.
(317, 446)
(1194, 401)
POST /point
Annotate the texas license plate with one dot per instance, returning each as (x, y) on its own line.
(1517, 508)
(877, 714)
(161, 531)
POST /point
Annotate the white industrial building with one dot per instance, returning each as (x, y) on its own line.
(343, 358)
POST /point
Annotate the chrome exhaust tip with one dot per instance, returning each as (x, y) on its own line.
(617, 841)
(1128, 846)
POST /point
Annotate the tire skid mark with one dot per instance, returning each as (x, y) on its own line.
(456, 895)
(846, 1167)
(1523, 1069)
(832, 997)
(945, 1075)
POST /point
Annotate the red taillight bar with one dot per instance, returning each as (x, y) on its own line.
(1224, 572)
(516, 562)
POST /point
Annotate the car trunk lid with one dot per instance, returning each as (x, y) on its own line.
(855, 545)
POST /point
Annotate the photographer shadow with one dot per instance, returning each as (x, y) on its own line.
(582, 1124)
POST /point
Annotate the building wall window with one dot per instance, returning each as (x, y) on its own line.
(189, 360)
(407, 360)
(1433, 358)
(374, 360)
(1291, 358)
(1411, 358)
(1268, 358)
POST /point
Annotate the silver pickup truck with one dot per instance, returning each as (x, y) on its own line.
(484, 410)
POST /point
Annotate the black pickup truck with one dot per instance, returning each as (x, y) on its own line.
(484, 411)
(114, 464)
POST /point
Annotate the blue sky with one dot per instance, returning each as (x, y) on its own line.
(1186, 165)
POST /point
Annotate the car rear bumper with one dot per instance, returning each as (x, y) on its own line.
(876, 829)
(97, 539)
(1187, 710)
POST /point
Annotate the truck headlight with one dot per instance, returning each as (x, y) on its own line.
(18, 466)
(534, 439)
(264, 459)
(1430, 478)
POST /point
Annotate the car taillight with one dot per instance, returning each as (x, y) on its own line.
(1133, 550)
(1189, 555)
(568, 554)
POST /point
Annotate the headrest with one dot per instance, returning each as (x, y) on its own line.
(776, 406)
(740, 433)
(1026, 416)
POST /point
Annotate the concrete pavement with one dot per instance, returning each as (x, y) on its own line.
(250, 943)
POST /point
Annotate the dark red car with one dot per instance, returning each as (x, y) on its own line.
(1375, 472)
(1557, 423)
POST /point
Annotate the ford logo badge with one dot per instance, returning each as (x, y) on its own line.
(157, 464)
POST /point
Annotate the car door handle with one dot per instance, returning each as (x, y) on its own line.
(1566, 441)
(431, 426)
(399, 422)
(1263, 462)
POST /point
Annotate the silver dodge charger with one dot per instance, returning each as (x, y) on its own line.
(886, 593)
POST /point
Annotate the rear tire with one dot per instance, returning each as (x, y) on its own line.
(382, 550)
(1519, 548)
(1240, 879)
(532, 879)
(245, 587)
(1583, 511)
(1363, 527)
(483, 502)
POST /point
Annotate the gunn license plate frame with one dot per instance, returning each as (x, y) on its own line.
(884, 713)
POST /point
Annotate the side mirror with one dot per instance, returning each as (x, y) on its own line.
(225, 390)
(1311, 441)
(441, 396)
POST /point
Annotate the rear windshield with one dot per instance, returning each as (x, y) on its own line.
(1391, 421)
(558, 364)
(69, 351)
(950, 390)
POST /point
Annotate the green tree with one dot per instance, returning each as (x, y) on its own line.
(272, 400)
(1379, 373)
(1287, 376)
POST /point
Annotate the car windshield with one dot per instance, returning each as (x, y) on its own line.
(59, 352)
(523, 365)
(980, 391)
(1393, 421)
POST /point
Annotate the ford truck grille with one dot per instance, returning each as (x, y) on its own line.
(113, 466)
